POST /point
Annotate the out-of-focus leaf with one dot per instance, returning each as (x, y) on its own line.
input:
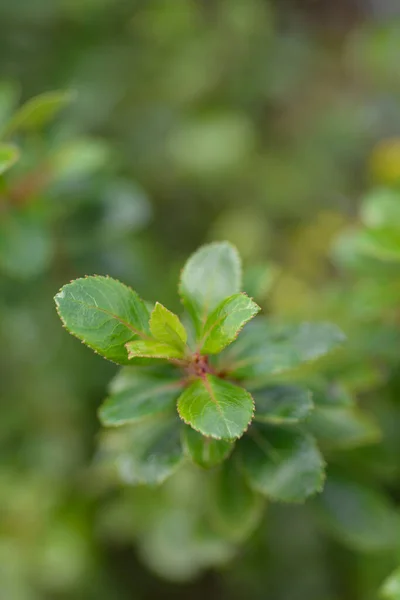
(8, 157)
(104, 313)
(343, 427)
(216, 408)
(146, 397)
(390, 589)
(205, 451)
(236, 509)
(147, 452)
(359, 516)
(26, 246)
(282, 464)
(8, 99)
(282, 404)
(381, 208)
(38, 111)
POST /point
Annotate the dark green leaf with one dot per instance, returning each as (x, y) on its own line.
(216, 408)
(145, 397)
(359, 516)
(391, 587)
(147, 452)
(152, 349)
(235, 508)
(166, 327)
(264, 349)
(205, 451)
(225, 322)
(209, 276)
(104, 313)
(283, 464)
(282, 404)
(8, 157)
(343, 427)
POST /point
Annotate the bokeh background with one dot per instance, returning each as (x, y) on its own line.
(258, 121)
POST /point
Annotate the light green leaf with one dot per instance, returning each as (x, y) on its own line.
(381, 208)
(236, 509)
(209, 276)
(391, 587)
(216, 408)
(147, 452)
(38, 111)
(343, 427)
(205, 451)
(382, 243)
(264, 349)
(359, 516)
(225, 322)
(146, 397)
(9, 155)
(152, 349)
(283, 464)
(104, 313)
(166, 327)
(282, 404)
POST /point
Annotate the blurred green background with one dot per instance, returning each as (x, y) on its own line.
(258, 121)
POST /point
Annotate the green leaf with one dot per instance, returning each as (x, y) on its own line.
(282, 404)
(211, 274)
(26, 246)
(38, 111)
(205, 451)
(391, 587)
(216, 408)
(359, 516)
(152, 349)
(147, 452)
(9, 155)
(381, 208)
(9, 93)
(225, 322)
(145, 397)
(104, 313)
(382, 243)
(264, 349)
(283, 464)
(166, 327)
(343, 427)
(236, 509)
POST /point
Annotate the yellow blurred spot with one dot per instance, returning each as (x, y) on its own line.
(384, 163)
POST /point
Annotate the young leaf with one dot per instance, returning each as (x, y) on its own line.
(152, 349)
(210, 275)
(104, 313)
(359, 516)
(236, 509)
(166, 327)
(205, 451)
(343, 427)
(391, 587)
(225, 322)
(38, 111)
(282, 404)
(283, 464)
(147, 397)
(216, 408)
(8, 157)
(147, 452)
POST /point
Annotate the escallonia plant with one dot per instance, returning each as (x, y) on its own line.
(200, 389)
